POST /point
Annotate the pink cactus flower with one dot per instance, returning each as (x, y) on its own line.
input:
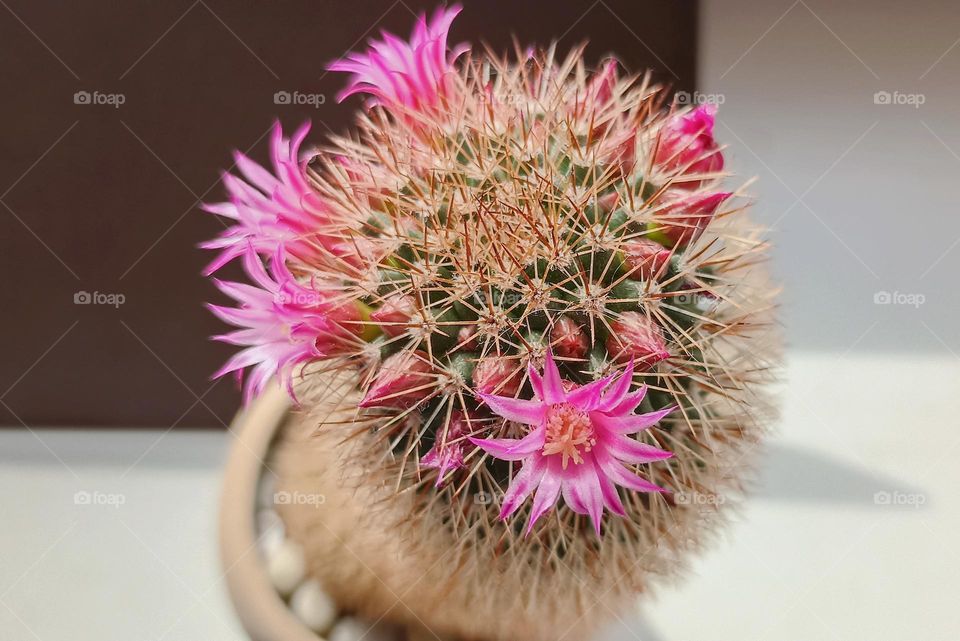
(447, 455)
(568, 339)
(577, 444)
(404, 379)
(684, 219)
(637, 338)
(686, 145)
(646, 258)
(497, 375)
(271, 208)
(394, 314)
(282, 322)
(406, 76)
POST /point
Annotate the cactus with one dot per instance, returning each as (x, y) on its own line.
(537, 291)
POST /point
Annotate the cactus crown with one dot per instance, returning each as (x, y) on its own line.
(489, 216)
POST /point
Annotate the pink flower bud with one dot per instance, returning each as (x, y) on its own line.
(345, 329)
(404, 379)
(645, 258)
(685, 219)
(686, 145)
(497, 375)
(599, 90)
(608, 202)
(394, 314)
(567, 339)
(635, 336)
(447, 452)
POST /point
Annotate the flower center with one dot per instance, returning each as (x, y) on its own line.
(569, 433)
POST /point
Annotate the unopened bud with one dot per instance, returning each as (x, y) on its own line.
(635, 336)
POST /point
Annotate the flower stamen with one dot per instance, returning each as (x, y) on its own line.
(569, 433)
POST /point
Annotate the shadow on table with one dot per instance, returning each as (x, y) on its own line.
(794, 474)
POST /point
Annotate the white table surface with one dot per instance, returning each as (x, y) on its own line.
(812, 556)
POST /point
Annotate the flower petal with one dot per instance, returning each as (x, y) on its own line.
(629, 403)
(587, 397)
(616, 393)
(552, 383)
(630, 424)
(518, 410)
(511, 449)
(545, 498)
(522, 485)
(536, 381)
(610, 496)
(631, 450)
(620, 475)
(581, 489)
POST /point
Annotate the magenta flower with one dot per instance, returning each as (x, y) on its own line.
(282, 323)
(578, 443)
(404, 75)
(270, 208)
(686, 145)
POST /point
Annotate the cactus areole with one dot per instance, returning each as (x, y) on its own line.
(544, 288)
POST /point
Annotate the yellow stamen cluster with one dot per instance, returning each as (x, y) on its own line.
(569, 433)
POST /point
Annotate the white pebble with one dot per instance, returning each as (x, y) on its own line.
(286, 566)
(313, 606)
(351, 629)
(270, 531)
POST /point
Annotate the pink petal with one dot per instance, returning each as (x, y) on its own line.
(511, 449)
(610, 496)
(587, 397)
(522, 485)
(516, 409)
(631, 450)
(630, 424)
(552, 383)
(618, 390)
(545, 498)
(536, 381)
(617, 473)
(582, 490)
(629, 403)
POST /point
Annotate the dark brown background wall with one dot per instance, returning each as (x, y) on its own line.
(103, 198)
